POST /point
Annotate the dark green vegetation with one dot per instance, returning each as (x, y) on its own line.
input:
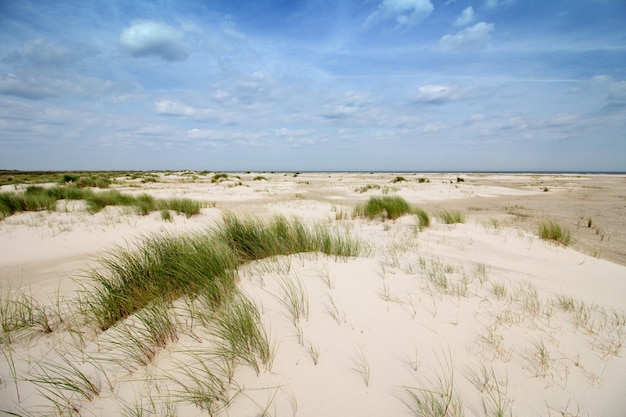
(390, 207)
(37, 198)
(551, 230)
(165, 268)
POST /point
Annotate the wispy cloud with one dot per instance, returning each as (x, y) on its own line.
(42, 51)
(403, 12)
(472, 37)
(441, 94)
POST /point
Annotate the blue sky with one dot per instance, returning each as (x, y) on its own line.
(313, 85)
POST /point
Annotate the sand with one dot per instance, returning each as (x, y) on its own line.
(484, 310)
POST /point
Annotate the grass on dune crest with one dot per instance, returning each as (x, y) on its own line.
(169, 267)
(37, 198)
(390, 207)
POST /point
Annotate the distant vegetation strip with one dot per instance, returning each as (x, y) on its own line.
(37, 198)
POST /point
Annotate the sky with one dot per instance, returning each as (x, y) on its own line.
(313, 85)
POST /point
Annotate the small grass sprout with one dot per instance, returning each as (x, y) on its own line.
(361, 366)
(440, 401)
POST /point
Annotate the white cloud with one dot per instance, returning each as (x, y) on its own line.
(174, 108)
(440, 94)
(146, 37)
(404, 12)
(471, 37)
(466, 17)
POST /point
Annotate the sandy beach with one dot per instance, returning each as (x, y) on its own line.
(477, 318)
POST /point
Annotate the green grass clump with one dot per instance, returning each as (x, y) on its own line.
(387, 207)
(186, 206)
(252, 239)
(98, 201)
(169, 267)
(166, 215)
(260, 178)
(37, 198)
(219, 177)
(422, 217)
(451, 217)
(162, 268)
(11, 202)
(551, 230)
(398, 179)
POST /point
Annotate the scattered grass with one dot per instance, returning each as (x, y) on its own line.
(451, 217)
(367, 187)
(20, 311)
(499, 289)
(440, 401)
(551, 230)
(361, 366)
(238, 325)
(60, 382)
(294, 298)
(200, 385)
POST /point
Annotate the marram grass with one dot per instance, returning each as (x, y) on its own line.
(551, 230)
(37, 198)
(169, 267)
(390, 207)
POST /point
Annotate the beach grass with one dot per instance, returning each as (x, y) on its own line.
(451, 216)
(38, 198)
(169, 267)
(551, 230)
(390, 207)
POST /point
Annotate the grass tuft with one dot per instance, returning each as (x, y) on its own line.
(451, 217)
(387, 207)
(551, 230)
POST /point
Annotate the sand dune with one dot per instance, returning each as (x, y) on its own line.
(480, 318)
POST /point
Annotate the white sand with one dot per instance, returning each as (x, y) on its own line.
(419, 308)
